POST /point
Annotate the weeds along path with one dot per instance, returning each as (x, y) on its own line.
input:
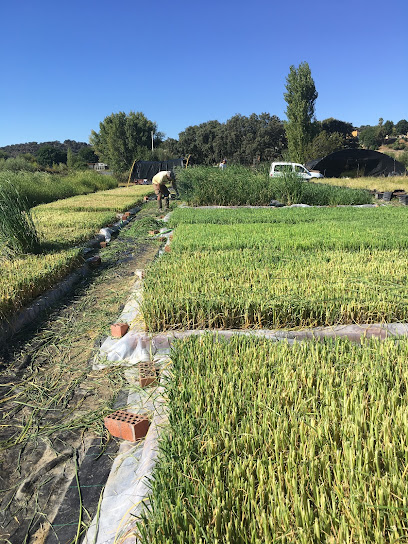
(52, 402)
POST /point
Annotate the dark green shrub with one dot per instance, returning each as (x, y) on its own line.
(17, 165)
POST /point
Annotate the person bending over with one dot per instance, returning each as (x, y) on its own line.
(159, 182)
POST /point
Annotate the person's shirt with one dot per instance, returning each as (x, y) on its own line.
(161, 178)
(222, 165)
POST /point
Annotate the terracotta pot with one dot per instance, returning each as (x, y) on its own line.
(127, 215)
(119, 329)
(131, 427)
(147, 373)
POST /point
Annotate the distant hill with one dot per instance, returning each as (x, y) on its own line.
(33, 147)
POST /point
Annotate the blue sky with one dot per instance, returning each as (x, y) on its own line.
(65, 66)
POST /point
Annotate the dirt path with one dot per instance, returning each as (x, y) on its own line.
(52, 402)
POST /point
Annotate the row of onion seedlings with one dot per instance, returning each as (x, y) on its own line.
(272, 443)
(271, 288)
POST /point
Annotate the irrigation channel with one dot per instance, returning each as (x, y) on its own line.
(103, 486)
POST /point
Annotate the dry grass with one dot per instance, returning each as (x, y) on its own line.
(371, 183)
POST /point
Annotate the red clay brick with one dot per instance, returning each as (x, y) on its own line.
(131, 427)
(147, 373)
(119, 329)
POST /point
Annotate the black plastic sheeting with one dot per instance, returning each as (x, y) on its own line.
(148, 169)
(356, 162)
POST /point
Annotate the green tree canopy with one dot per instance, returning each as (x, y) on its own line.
(325, 143)
(48, 155)
(331, 125)
(122, 138)
(255, 138)
(29, 157)
(300, 97)
(388, 128)
(203, 142)
(241, 140)
(402, 127)
(87, 154)
(370, 137)
(171, 145)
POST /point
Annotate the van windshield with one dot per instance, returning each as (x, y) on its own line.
(300, 170)
(283, 168)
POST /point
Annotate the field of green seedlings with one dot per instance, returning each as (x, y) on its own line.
(24, 278)
(270, 443)
(76, 219)
(220, 216)
(238, 185)
(60, 226)
(307, 268)
(116, 200)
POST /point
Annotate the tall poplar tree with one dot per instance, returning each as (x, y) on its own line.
(300, 98)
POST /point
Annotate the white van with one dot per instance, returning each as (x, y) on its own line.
(280, 168)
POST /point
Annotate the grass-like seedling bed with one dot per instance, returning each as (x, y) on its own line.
(60, 226)
(270, 443)
(353, 235)
(118, 199)
(342, 269)
(69, 227)
(24, 278)
(272, 289)
(369, 216)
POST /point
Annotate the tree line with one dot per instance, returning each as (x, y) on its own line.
(32, 156)
(247, 140)
(373, 136)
